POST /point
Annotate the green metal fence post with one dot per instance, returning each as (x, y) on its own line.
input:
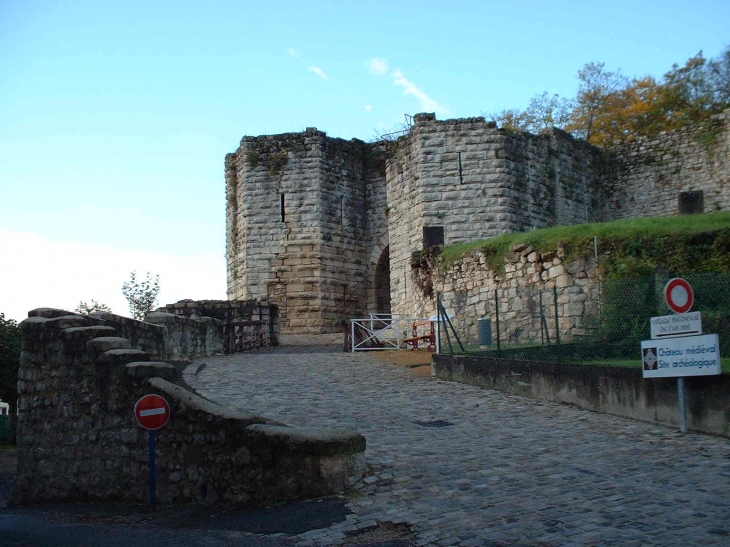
(438, 318)
(496, 309)
(557, 323)
(442, 313)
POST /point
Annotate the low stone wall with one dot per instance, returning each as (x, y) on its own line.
(78, 438)
(163, 335)
(227, 311)
(620, 391)
(471, 290)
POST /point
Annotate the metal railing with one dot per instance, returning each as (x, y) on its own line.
(392, 332)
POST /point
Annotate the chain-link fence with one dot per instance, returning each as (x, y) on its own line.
(601, 322)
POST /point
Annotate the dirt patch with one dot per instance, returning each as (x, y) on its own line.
(417, 361)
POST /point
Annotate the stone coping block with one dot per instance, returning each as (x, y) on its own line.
(97, 331)
(122, 356)
(105, 343)
(50, 313)
(150, 369)
(196, 402)
(68, 321)
(311, 441)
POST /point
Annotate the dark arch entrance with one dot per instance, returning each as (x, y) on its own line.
(382, 282)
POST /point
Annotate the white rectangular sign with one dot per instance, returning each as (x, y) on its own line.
(679, 324)
(686, 356)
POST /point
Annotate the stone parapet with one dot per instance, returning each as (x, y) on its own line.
(78, 439)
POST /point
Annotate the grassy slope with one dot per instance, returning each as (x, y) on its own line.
(581, 235)
(618, 236)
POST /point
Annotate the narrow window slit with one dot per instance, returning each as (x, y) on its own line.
(282, 206)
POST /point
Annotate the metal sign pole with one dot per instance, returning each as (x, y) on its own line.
(682, 406)
(153, 489)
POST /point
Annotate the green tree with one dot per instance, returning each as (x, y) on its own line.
(544, 112)
(10, 338)
(598, 94)
(95, 306)
(686, 94)
(141, 294)
(718, 71)
(512, 120)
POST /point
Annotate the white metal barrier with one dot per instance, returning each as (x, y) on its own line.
(388, 332)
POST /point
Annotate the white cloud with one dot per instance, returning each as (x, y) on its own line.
(378, 66)
(409, 88)
(318, 71)
(294, 53)
(368, 107)
(43, 273)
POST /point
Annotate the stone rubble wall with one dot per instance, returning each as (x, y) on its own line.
(649, 174)
(470, 290)
(79, 441)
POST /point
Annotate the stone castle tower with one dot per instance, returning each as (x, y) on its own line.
(326, 228)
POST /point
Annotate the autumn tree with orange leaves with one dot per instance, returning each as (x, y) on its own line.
(610, 108)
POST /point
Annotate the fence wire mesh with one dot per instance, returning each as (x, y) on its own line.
(586, 323)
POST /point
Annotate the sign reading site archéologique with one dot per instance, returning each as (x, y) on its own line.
(683, 356)
(678, 347)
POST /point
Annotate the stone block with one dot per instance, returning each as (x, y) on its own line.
(556, 271)
(563, 280)
(574, 309)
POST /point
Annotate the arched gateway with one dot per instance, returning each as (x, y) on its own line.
(379, 266)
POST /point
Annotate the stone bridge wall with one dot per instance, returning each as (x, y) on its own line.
(216, 313)
(78, 439)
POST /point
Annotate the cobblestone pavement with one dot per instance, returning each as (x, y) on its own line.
(466, 466)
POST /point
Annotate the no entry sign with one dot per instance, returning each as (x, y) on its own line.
(679, 296)
(152, 412)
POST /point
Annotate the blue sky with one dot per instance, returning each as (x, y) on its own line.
(115, 117)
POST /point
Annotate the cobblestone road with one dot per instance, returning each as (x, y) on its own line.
(467, 466)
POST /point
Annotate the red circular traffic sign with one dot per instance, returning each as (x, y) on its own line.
(679, 296)
(152, 412)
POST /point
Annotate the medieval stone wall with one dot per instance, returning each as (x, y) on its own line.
(78, 439)
(475, 181)
(350, 207)
(649, 175)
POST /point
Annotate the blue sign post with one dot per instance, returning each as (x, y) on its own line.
(152, 413)
(153, 472)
